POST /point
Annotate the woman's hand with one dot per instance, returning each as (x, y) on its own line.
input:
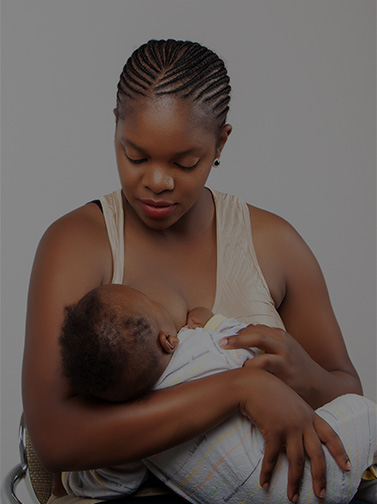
(283, 356)
(289, 424)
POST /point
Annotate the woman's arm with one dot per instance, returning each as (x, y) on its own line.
(70, 433)
(307, 312)
(319, 367)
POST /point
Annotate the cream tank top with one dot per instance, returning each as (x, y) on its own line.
(241, 289)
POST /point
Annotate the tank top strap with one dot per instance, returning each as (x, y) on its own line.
(241, 291)
(112, 205)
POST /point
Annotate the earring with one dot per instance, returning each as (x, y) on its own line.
(216, 162)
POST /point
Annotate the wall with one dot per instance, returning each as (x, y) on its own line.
(303, 144)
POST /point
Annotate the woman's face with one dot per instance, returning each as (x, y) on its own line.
(164, 155)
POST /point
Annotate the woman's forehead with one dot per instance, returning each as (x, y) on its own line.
(165, 119)
(165, 112)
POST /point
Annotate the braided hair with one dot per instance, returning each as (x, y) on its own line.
(185, 69)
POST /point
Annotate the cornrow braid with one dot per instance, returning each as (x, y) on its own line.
(176, 67)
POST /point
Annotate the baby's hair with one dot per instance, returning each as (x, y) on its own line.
(99, 342)
(185, 69)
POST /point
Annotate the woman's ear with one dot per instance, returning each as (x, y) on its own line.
(168, 342)
(115, 112)
(223, 137)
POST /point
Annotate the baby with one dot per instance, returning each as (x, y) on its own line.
(117, 344)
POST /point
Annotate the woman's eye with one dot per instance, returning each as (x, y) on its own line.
(135, 161)
(188, 168)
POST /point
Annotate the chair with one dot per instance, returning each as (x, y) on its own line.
(40, 480)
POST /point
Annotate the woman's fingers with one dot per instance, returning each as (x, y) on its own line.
(271, 454)
(296, 459)
(314, 450)
(268, 339)
(268, 362)
(323, 434)
(283, 355)
(333, 443)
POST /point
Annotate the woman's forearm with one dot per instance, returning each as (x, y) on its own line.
(324, 386)
(79, 435)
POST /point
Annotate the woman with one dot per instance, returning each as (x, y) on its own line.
(171, 127)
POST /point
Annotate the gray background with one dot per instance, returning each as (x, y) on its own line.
(303, 146)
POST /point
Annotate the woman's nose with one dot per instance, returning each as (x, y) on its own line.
(158, 179)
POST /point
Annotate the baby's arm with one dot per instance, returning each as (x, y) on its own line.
(198, 317)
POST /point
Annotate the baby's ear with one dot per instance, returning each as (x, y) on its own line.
(168, 342)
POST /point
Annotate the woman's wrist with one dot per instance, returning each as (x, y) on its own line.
(322, 386)
(251, 385)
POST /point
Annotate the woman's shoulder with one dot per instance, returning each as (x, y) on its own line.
(79, 235)
(85, 222)
(270, 225)
(280, 249)
(264, 223)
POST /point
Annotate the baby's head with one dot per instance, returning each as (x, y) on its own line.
(115, 343)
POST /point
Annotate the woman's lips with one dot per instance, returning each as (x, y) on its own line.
(157, 209)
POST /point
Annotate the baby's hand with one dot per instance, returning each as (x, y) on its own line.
(198, 317)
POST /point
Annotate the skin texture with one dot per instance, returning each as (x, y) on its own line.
(74, 257)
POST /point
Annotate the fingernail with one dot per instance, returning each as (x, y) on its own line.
(266, 486)
(295, 497)
(224, 342)
(322, 493)
(348, 465)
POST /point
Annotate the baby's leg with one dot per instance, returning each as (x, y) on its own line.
(223, 466)
(354, 419)
(105, 483)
